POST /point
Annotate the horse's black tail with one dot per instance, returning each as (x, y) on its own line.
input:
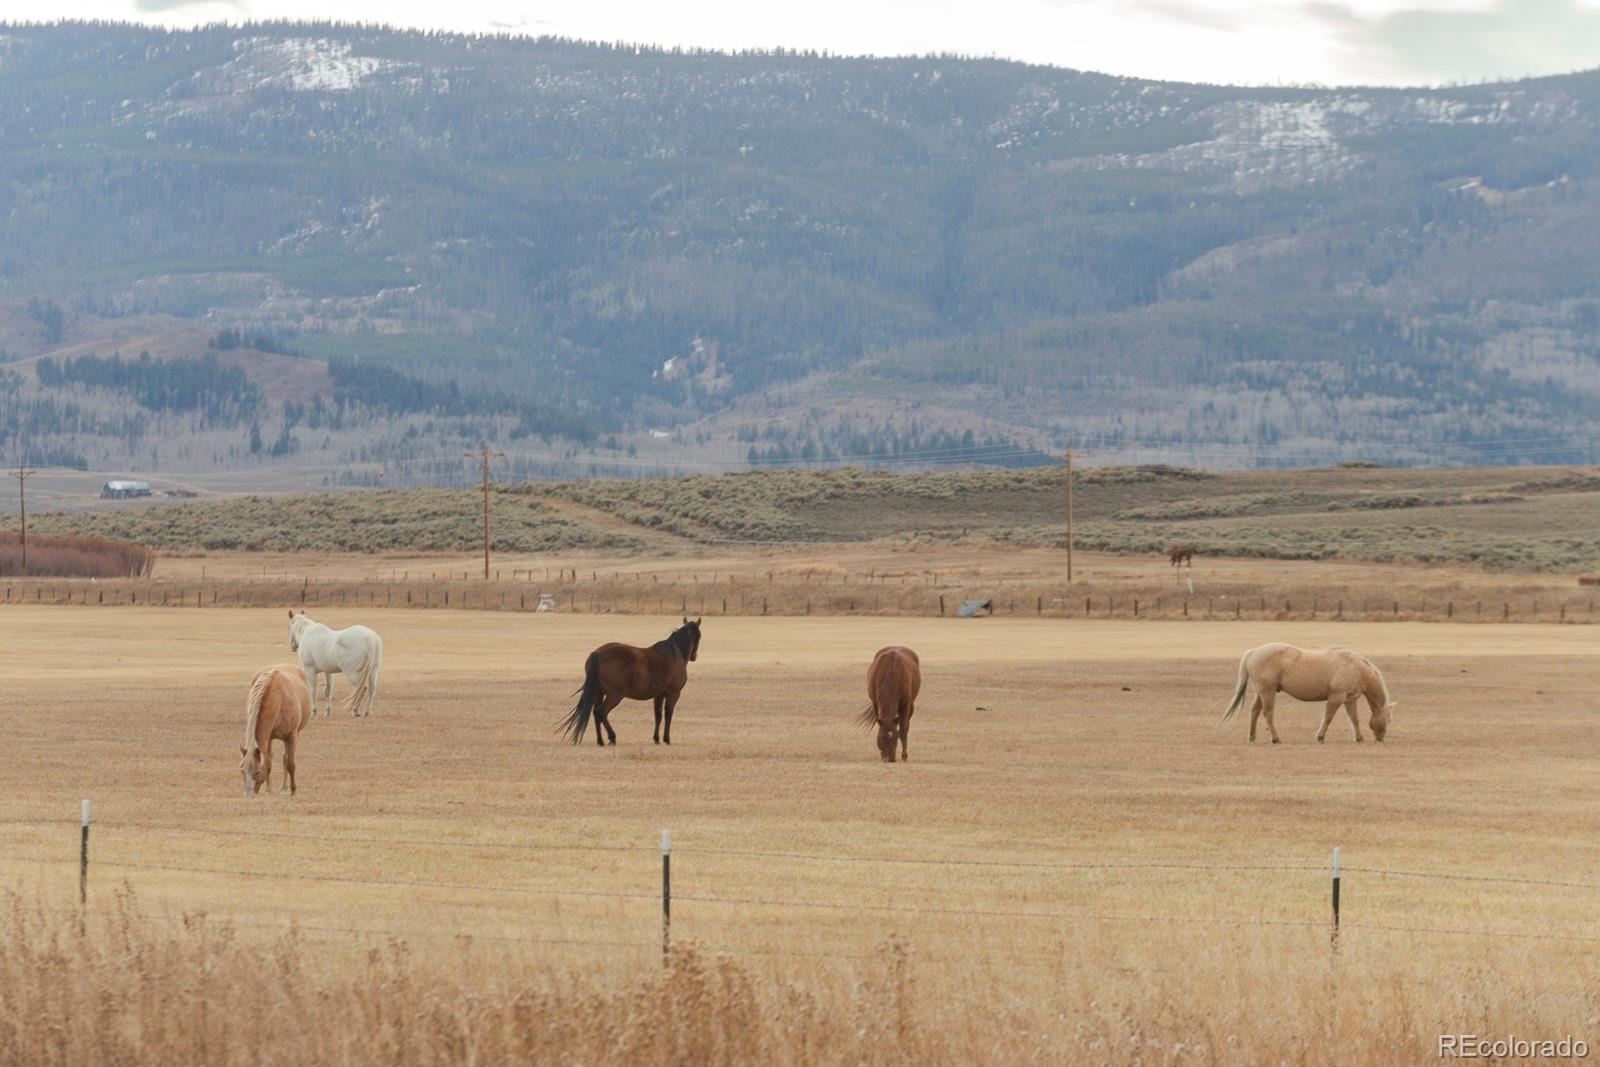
(575, 724)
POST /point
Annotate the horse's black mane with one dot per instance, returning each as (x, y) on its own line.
(681, 639)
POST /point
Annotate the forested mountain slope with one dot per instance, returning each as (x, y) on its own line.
(771, 253)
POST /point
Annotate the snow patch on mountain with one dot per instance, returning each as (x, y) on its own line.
(299, 64)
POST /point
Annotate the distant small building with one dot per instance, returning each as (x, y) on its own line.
(117, 489)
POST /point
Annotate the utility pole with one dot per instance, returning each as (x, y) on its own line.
(1069, 514)
(486, 491)
(21, 474)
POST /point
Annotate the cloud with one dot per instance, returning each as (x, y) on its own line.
(149, 7)
(1507, 38)
(1204, 16)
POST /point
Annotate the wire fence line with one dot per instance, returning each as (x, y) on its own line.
(789, 595)
(809, 857)
(836, 906)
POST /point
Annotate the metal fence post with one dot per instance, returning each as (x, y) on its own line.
(83, 858)
(1336, 894)
(666, 897)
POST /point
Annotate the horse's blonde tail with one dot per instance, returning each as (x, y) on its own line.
(252, 712)
(365, 680)
(1238, 693)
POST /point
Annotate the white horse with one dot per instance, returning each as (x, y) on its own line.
(355, 651)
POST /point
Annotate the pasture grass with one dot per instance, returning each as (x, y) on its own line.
(1074, 865)
(141, 987)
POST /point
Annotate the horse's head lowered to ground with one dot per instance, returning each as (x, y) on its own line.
(254, 769)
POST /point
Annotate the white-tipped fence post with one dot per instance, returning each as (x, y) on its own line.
(1336, 894)
(666, 896)
(83, 858)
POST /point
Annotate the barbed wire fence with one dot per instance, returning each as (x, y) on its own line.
(1335, 924)
(758, 594)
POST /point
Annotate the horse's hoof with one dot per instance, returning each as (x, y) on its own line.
(1275, 740)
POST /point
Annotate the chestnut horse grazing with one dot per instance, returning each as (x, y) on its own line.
(1336, 675)
(278, 709)
(1179, 554)
(614, 673)
(893, 681)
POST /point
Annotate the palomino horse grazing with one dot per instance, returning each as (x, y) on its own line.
(1179, 554)
(278, 709)
(356, 652)
(1336, 675)
(893, 681)
(614, 673)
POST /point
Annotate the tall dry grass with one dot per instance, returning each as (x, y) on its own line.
(137, 987)
(74, 557)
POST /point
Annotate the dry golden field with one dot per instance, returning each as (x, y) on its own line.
(1074, 866)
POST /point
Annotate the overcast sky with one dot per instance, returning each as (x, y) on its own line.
(1256, 41)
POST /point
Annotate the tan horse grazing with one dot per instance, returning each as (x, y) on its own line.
(1336, 675)
(893, 681)
(278, 709)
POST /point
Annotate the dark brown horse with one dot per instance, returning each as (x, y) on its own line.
(1179, 554)
(893, 681)
(614, 673)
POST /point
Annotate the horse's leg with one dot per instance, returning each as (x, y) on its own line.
(1327, 715)
(311, 684)
(605, 715)
(905, 728)
(1255, 713)
(288, 763)
(1268, 700)
(599, 713)
(1355, 722)
(671, 702)
(329, 696)
(658, 702)
(372, 694)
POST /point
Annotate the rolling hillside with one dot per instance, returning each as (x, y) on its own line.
(1505, 519)
(784, 257)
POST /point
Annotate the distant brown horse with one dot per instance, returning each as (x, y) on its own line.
(278, 709)
(893, 681)
(1179, 554)
(614, 673)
